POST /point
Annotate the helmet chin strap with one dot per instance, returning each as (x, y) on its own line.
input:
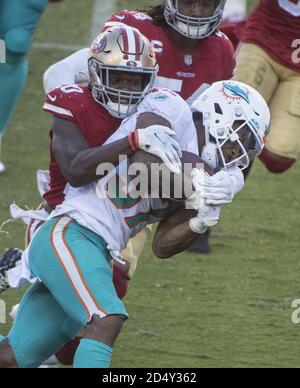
(210, 155)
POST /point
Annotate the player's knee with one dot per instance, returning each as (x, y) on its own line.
(7, 357)
(18, 41)
(104, 330)
(275, 163)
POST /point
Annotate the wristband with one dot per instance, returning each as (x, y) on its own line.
(131, 141)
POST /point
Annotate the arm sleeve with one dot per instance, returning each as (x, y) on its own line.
(176, 111)
(128, 126)
(69, 71)
(172, 108)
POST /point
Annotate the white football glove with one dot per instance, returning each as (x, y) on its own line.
(224, 186)
(196, 201)
(157, 140)
(207, 217)
(216, 190)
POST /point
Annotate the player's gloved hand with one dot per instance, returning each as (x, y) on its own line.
(222, 187)
(207, 217)
(157, 140)
(216, 190)
(196, 201)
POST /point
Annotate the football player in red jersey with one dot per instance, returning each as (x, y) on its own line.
(85, 117)
(183, 33)
(269, 60)
(122, 68)
(234, 140)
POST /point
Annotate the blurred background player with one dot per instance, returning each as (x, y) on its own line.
(182, 32)
(18, 22)
(269, 60)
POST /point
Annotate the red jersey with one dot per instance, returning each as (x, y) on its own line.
(184, 72)
(231, 29)
(275, 26)
(76, 104)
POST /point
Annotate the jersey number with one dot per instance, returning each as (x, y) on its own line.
(296, 53)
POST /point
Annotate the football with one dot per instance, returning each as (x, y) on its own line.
(189, 160)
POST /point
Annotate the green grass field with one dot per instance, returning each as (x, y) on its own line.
(229, 309)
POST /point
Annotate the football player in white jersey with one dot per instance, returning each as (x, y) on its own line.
(196, 43)
(229, 185)
(192, 26)
(92, 226)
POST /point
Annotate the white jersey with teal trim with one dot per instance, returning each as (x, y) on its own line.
(119, 219)
(116, 220)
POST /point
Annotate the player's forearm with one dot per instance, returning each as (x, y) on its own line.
(176, 240)
(86, 166)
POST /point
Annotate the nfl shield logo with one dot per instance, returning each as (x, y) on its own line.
(188, 59)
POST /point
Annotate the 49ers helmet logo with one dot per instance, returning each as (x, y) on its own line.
(131, 64)
(99, 45)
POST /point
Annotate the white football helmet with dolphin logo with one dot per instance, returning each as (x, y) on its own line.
(236, 113)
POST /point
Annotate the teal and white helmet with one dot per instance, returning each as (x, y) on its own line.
(193, 27)
(232, 112)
